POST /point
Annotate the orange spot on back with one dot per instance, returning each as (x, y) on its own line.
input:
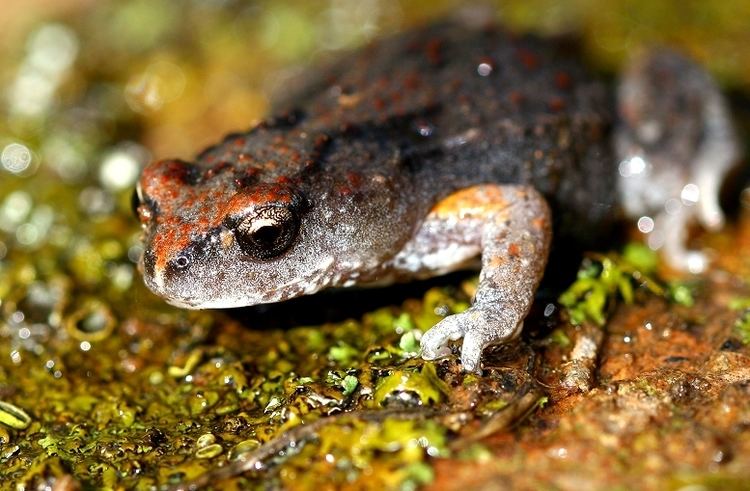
(528, 58)
(563, 80)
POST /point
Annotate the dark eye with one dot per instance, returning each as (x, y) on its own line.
(268, 233)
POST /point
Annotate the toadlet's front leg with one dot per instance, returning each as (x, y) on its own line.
(511, 226)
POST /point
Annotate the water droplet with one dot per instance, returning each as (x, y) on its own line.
(690, 194)
(645, 224)
(633, 166)
(16, 158)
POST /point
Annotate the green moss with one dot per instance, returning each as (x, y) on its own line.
(343, 353)
(681, 294)
(559, 337)
(739, 303)
(349, 384)
(416, 475)
(476, 452)
(742, 327)
(424, 383)
(409, 344)
(641, 257)
(724, 481)
(604, 279)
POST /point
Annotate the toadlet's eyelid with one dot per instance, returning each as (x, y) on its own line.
(261, 196)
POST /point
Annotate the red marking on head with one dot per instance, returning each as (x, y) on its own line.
(174, 237)
(262, 194)
(168, 170)
(514, 250)
(167, 181)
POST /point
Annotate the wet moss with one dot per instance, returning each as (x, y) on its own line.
(604, 279)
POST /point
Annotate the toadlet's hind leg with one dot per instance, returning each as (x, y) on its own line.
(676, 143)
(511, 226)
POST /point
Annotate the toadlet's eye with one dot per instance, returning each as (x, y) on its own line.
(268, 232)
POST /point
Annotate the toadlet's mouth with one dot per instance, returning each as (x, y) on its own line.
(204, 290)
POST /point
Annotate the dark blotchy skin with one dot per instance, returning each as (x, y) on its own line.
(375, 173)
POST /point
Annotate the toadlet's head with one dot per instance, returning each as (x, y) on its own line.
(205, 247)
(241, 226)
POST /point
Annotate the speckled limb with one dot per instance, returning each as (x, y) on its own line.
(510, 225)
(676, 143)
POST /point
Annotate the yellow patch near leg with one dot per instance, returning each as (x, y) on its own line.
(473, 202)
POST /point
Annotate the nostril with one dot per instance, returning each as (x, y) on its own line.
(179, 265)
(181, 261)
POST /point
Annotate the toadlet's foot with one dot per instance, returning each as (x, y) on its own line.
(479, 328)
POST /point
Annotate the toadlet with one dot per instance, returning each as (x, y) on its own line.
(419, 154)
